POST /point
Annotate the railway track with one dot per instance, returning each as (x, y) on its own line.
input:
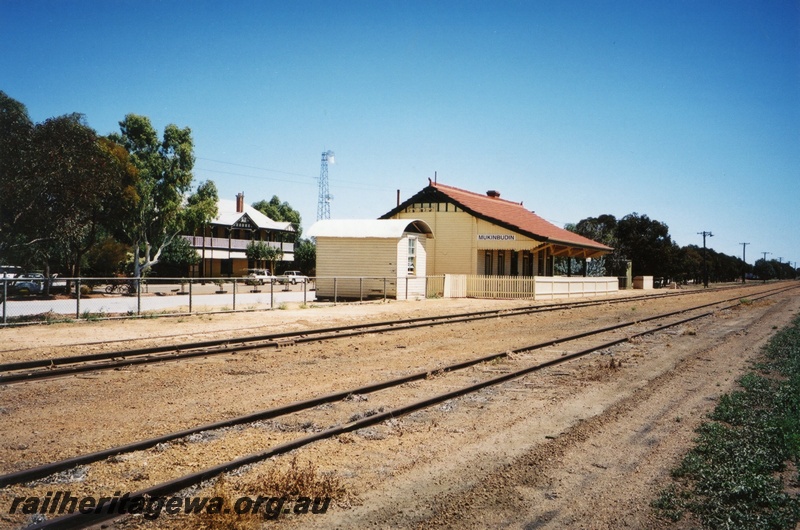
(39, 369)
(176, 485)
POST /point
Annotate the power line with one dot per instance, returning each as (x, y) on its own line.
(256, 167)
(347, 184)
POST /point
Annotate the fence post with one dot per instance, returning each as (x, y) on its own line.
(234, 294)
(384, 289)
(271, 295)
(406, 287)
(360, 289)
(78, 299)
(334, 290)
(139, 296)
(5, 300)
(305, 293)
(190, 295)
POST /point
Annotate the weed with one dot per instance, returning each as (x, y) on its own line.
(299, 480)
(93, 317)
(732, 477)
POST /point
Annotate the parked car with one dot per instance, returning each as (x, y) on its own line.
(260, 276)
(292, 277)
(28, 283)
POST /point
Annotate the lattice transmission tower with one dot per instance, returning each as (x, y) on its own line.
(324, 198)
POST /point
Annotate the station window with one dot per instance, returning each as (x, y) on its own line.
(487, 263)
(412, 255)
(501, 263)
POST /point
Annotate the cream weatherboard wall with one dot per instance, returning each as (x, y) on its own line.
(361, 264)
(452, 250)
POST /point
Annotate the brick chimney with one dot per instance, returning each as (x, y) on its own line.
(240, 202)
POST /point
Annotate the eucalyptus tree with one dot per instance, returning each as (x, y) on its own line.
(165, 179)
(16, 134)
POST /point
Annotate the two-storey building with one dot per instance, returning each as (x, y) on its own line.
(222, 245)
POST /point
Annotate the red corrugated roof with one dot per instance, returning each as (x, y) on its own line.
(509, 214)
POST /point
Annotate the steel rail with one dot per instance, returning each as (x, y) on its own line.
(83, 520)
(57, 367)
(55, 467)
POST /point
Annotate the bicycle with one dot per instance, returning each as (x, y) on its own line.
(119, 286)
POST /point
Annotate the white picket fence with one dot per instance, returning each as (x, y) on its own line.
(530, 287)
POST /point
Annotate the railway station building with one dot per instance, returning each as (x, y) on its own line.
(483, 234)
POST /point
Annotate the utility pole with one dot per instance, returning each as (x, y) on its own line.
(705, 263)
(744, 266)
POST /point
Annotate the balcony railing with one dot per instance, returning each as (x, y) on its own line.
(222, 243)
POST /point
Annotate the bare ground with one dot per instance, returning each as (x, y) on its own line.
(586, 444)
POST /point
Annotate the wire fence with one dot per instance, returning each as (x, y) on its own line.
(26, 300)
(32, 300)
(39, 300)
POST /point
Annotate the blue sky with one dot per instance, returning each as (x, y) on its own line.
(685, 111)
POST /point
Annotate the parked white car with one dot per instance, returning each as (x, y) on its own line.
(292, 277)
(260, 276)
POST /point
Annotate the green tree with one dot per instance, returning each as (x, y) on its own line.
(61, 184)
(107, 258)
(202, 206)
(305, 256)
(281, 211)
(177, 257)
(647, 243)
(257, 251)
(165, 178)
(602, 229)
(764, 269)
(85, 183)
(16, 135)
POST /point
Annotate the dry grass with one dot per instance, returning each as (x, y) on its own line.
(602, 369)
(298, 480)
(290, 483)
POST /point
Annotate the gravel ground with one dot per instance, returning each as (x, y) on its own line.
(584, 444)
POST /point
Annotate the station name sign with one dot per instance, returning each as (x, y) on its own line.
(497, 237)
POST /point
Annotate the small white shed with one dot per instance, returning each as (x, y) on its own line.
(356, 258)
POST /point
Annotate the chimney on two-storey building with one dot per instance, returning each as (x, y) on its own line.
(240, 202)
